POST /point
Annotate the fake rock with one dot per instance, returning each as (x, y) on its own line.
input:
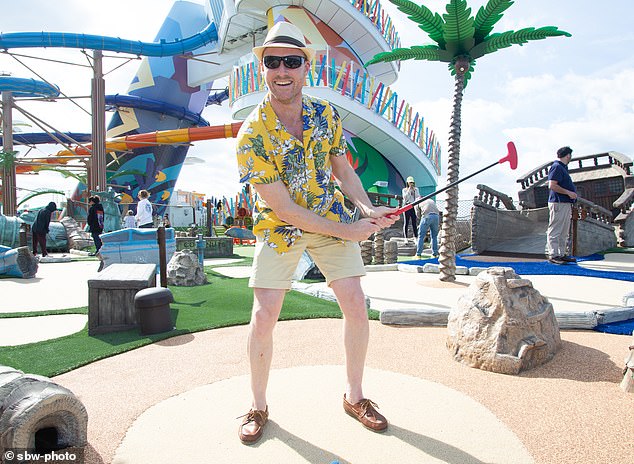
(183, 270)
(502, 324)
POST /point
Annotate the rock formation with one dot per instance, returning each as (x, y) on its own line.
(31, 405)
(78, 239)
(502, 324)
(183, 270)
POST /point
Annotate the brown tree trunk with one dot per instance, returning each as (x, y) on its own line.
(447, 259)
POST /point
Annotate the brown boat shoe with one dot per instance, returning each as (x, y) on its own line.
(252, 426)
(365, 412)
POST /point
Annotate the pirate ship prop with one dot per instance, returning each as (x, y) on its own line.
(601, 216)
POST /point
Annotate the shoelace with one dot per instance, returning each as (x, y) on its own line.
(368, 405)
(252, 416)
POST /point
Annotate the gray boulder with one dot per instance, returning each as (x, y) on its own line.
(183, 270)
(502, 324)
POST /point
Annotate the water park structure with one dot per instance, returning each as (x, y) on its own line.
(388, 138)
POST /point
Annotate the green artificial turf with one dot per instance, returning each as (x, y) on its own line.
(223, 302)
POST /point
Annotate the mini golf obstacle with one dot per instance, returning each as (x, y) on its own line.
(39, 415)
(18, 262)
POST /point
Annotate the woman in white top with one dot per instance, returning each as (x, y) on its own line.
(144, 211)
(410, 194)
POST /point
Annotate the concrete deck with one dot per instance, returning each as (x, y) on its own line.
(177, 400)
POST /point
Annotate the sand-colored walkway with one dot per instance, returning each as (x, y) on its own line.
(570, 410)
(190, 389)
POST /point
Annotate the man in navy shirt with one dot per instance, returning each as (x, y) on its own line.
(561, 196)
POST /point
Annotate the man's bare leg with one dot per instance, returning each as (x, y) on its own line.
(356, 332)
(267, 304)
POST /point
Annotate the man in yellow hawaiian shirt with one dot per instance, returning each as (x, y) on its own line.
(291, 149)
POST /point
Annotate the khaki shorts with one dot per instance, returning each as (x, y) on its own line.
(334, 258)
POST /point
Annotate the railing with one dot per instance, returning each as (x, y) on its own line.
(612, 158)
(584, 209)
(488, 196)
(624, 204)
(354, 82)
(384, 199)
(381, 20)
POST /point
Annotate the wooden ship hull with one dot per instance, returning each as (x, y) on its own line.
(498, 231)
(601, 216)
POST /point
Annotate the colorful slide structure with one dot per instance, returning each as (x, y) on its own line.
(128, 143)
(154, 122)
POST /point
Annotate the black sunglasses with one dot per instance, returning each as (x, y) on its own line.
(291, 61)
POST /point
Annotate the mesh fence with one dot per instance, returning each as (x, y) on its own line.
(463, 224)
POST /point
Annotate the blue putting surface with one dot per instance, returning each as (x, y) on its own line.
(546, 268)
(539, 268)
(621, 327)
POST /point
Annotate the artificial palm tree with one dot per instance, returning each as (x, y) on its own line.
(459, 39)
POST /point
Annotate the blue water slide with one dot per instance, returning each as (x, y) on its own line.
(11, 40)
(148, 104)
(39, 138)
(129, 101)
(21, 87)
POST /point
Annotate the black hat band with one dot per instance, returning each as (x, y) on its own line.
(285, 39)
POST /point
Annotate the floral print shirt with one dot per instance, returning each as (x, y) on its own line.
(267, 153)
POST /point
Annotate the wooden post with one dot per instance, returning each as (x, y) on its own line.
(209, 223)
(575, 219)
(160, 238)
(24, 230)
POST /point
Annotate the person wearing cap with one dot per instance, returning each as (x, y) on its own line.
(95, 220)
(410, 194)
(40, 228)
(289, 149)
(562, 194)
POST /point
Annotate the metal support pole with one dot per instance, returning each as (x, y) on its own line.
(200, 248)
(97, 179)
(9, 201)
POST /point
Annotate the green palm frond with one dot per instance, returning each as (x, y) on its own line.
(495, 42)
(488, 16)
(38, 192)
(7, 159)
(416, 52)
(65, 172)
(459, 28)
(428, 21)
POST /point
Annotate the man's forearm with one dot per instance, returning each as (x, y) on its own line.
(309, 221)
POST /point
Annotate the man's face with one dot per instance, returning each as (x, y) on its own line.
(285, 84)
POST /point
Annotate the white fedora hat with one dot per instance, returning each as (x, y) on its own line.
(284, 35)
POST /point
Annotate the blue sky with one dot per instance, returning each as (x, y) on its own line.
(560, 91)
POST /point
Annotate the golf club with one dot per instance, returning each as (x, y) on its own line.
(511, 157)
